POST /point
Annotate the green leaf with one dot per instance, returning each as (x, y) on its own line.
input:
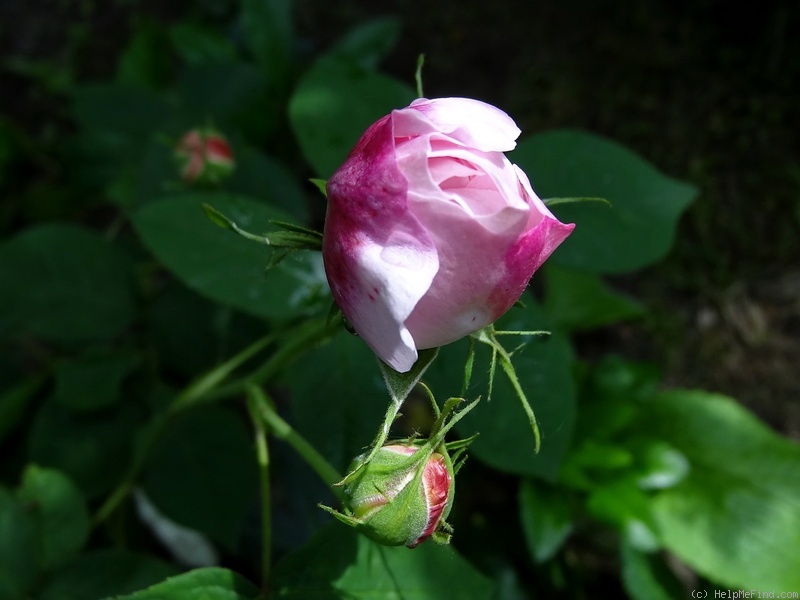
(93, 380)
(65, 283)
(738, 511)
(258, 175)
(18, 547)
(578, 301)
(639, 228)
(92, 448)
(145, 61)
(544, 369)
(202, 473)
(103, 573)
(334, 103)
(225, 267)
(213, 583)
(197, 44)
(368, 43)
(623, 505)
(338, 398)
(339, 563)
(646, 577)
(546, 518)
(234, 95)
(58, 508)
(14, 400)
(268, 29)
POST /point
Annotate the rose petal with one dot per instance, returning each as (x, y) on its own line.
(471, 122)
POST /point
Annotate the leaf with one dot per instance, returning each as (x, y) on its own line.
(368, 43)
(18, 547)
(65, 284)
(268, 29)
(623, 505)
(103, 573)
(578, 301)
(294, 238)
(544, 369)
(60, 512)
(639, 228)
(338, 398)
(202, 474)
(546, 518)
(738, 511)
(339, 563)
(259, 175)
(91, 448)
(144, 61)
(93, 380)
(646, 577)
(14, 400)
(212, 583)
(198, 44)
(334, 102)
(225, 267)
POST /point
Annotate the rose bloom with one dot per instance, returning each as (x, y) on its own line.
(431, 233)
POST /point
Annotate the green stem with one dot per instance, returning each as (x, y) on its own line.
(283, 431)
(206, 383)
(308, 335)
(262, 455)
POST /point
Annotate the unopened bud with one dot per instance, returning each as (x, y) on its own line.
(395, 501)
(204, 156)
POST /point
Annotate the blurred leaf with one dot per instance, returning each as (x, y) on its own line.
(663, 466)
(260, 176)
(369, 43)
(334, 103)
(103, 573)
(65, 283)
(18, 548)
(202, 474)
(13, 402)
(267, 26)
(124, 114)
(197, 44)
(338, 398)
(225, 267)
(93, 380)
(639, 228)
(646, 577)
(544, 368)
(60, 512)
(147, 60)
(578, 301)
(339, 563)
(229, 96)
(624, 506)
(546, 518)
(201, 584)
(738, 511)
(91, 448)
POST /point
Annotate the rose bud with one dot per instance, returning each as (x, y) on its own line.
(204, 156)
(397, 502)
(431, 233)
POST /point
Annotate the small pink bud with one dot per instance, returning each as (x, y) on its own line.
(204, 156)
(396, 501)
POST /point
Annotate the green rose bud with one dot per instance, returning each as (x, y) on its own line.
(400, 497)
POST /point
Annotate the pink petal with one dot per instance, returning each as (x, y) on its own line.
(471, 122)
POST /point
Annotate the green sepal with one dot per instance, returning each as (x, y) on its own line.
(293, 237)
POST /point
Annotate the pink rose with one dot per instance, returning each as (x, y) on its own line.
(431, 233)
